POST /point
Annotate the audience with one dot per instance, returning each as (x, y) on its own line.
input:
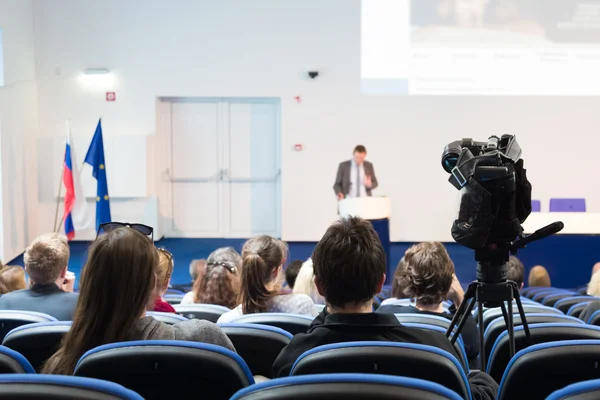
(428, 278)
(260, 289)
(584, 289)
(291, 272)
(196, 269)
(593, 287)
(349, 264)
(516, 271)
(220, 282)
(538, 276)
(118, 282)
(163, 279)
(305, 283)
(12, 278)
(397, 292)
(51, 285)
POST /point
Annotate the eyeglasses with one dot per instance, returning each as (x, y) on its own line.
(111, 226)
(230, 267)
(166, 252)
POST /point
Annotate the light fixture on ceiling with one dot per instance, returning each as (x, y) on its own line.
(96, 71)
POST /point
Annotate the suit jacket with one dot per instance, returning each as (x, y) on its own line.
(47, 299)
(342, 180)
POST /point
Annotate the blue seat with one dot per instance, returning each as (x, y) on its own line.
(167, 318)
(209, 312)
(594, 318)
(174, 298)
(426, 319)
(577, 308)
(539, 370)
(37, 342)
(175, 291)
(566, 303)
(346, 386)
(540, 333)
(258, 345)
(491, 314)
(551, 299)
(12, 362)
(459, 345)
(151, 367)
(567, 205)
(52, 387)
(539, 296)
(389, 358)
(578, 391)
(11, 319)
(293, 323)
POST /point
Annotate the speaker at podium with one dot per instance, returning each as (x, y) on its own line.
(377, 210)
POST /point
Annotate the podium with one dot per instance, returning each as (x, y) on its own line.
(377, 210)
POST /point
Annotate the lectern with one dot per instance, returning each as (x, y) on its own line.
(377, 210)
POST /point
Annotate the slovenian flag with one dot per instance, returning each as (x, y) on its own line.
(75, 207)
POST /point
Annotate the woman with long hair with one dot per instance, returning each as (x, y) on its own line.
(305, 283)
(261, 280)
(163, 279)
(12, 278)
(117, 285)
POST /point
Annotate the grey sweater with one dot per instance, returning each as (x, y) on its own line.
(194, 330)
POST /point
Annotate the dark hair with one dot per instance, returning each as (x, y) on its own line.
(349, 262)
(360, 149)
(12, 277)
(261, 256)
(291, 272)
(516, 271)
(397, 290)
(117, 284)
(220, 282)
(427, 273)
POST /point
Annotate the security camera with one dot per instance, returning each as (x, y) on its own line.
(313, 74)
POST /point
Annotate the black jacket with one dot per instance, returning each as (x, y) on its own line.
(47, 299)
(470, 333)
(336, 328)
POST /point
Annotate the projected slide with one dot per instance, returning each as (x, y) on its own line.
(481, 47)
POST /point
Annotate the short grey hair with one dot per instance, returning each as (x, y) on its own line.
(45, 257)
(226, 255)
(195, 266)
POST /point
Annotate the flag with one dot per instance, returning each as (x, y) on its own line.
(95, 158)
(70, 189)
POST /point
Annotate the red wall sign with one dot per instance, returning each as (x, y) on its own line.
(111, 96)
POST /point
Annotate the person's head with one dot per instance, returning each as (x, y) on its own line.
(164, 271)
(427, 273)
(262, 259)
(197, 268)
(305, 283)
(291, 272)
(349, 264)
(539, 276)
(46, 258)
(593, 288)
(360, 153)
(220, 282)
(516, 271)
(397, 290)
(117, 283)
(12, 278)
(596, 268)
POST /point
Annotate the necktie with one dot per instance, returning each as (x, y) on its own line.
(357, 180)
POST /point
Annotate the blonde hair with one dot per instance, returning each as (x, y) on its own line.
(164, 270)
(593, 288)
(305, 283)
(45, 257)
(539, 276)
(12, 278)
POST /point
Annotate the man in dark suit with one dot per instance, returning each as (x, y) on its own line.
(51, 285)
(356, 177)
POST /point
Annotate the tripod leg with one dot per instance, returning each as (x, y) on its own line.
(480, 324)
(463, 321)
(465, 305)
(521, 312)
(511, 329)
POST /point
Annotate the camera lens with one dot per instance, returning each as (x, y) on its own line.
(450, 156)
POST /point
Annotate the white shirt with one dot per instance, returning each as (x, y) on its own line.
(357, 180)
(285, 303)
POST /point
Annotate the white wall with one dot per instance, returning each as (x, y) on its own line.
(18, 124)
(264, 48)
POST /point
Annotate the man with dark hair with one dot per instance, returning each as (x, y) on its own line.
(291, 272)
(349, 266)
(355, 177)
(516, 271)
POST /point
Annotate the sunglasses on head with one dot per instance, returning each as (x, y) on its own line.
(111, 226)
(228, 266)
(166, 252)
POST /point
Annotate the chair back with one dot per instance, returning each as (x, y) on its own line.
(174, 298)
(551, 299)
(167, 318)
(566, 303)
(161, 369)
(577, 309)
(423, 319)
(459, 345)
(11, 319)
(492, 313)
(578, 391)
(594, 319)
(539, 296)
(209, 312)
(293, 323)
(12, 362)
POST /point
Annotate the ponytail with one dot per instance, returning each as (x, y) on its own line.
(253, 294)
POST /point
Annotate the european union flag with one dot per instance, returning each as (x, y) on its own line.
(95, 157)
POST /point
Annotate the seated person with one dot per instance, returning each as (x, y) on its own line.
(12, 278)
(516, 271)
(196, 269)
(51, 284)
(593, 289)
(260, 286)
(428, 277)
(305, 283)
(539, 276)
(219, 283)
(118, 283)
(397, 292)
(291, 272)
(350, 264)
(163, 278)
(583, 290)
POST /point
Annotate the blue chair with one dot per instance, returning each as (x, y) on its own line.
(459, 345)
(209, 312)
(52, 387)
(346, 386)
(11, 319)
(12, 362)
(388, 358)
(160, 369)
(567, 205)
(566, 303)
(426, 319)
(258, 345)
(539, 296)
(293, 323)
(37, 342)
(578, 391)
(594, 319)
(540, 333)
(167, 318)
(551, 299)
(491, 314)
(174, 298)
(175, 291)
(577, 308)
(536, 206)
(541, 369)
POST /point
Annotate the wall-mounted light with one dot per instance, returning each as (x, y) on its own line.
(96, 71)
(98, 79)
